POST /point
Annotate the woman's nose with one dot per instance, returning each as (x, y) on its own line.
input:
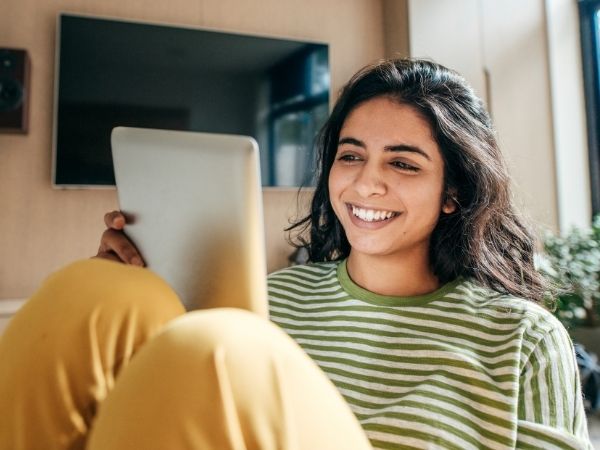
(370, 181)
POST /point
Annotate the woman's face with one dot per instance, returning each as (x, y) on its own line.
(386, 182)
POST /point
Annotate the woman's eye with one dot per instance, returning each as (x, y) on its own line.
(405, 166)
(348, 157)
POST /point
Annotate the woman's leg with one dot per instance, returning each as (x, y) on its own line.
(224, 379)
(62, 351)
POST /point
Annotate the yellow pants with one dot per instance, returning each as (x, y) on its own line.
(103, 357)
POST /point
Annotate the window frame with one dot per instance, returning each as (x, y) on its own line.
(589, 11)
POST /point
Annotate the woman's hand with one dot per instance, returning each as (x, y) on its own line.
(114, 244)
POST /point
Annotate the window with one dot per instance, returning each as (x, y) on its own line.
(589, 14)
(299, 103)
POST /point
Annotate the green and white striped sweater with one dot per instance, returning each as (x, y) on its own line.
(461, 368)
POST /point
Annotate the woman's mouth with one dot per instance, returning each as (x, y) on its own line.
(372, 215)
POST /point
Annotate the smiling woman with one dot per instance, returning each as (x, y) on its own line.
(388, 163)
(480, 235)
(420, 303)
(420, 308)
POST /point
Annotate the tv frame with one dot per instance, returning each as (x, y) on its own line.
(56, 83)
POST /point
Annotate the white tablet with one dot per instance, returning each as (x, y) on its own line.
(195, 205)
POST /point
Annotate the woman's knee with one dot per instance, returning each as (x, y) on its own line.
(211, 369)
(231, 329)
(202, 342)
(103, 302)
(93, 286)
(230, 379)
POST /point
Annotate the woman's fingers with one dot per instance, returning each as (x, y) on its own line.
(115, 220)
(108, 255)
(116, 246)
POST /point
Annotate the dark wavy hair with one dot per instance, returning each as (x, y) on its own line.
(484, 238)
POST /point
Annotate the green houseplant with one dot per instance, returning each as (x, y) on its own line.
(572, 262)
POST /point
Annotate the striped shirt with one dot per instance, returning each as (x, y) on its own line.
(461, 368)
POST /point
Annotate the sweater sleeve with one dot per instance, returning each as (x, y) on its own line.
(551, 414)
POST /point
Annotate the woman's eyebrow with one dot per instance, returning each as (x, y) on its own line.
(406, 148)
(351, 141)
(387, 148)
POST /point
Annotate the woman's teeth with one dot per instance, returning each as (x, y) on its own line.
(371, 215)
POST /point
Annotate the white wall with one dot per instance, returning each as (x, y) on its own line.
(449, 32)
(501, 47)
(568, 110)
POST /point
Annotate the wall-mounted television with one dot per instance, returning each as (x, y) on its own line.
(115, 72)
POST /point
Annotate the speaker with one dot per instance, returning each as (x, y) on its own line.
(14, 90)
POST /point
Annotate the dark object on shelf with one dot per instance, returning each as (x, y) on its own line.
(589, 372)
(14, 90)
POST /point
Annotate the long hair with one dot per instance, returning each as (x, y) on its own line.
(484, 238)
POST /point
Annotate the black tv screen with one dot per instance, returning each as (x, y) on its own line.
(113, 72)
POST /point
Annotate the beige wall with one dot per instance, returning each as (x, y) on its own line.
(41, 228)
(396, 28)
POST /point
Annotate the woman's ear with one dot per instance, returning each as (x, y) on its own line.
(450, 203)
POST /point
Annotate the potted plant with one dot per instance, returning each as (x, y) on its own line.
(572, 262)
